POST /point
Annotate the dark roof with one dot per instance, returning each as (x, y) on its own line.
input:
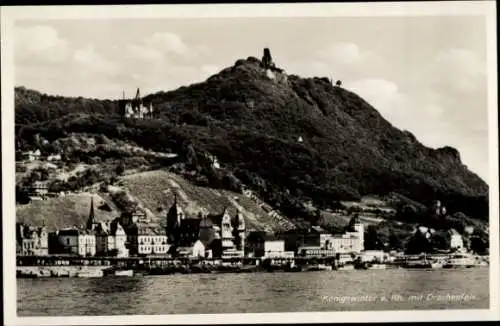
(190, 223)
(215, 218)
(75, 232)
(206, 223)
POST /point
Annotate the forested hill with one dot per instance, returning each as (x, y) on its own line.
(33, 106)
(289, 138)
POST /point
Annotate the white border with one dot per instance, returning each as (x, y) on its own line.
(10, 14)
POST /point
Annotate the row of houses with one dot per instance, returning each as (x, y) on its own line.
(36, 155)
(205, 236)
(312, 242)
(131, 234)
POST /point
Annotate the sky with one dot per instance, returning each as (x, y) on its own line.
(424, 74)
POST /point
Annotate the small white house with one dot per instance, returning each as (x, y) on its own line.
(32, 155)
(198, 249)
(469, 229)
(54, 158)
(274, 248)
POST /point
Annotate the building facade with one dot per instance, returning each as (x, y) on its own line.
(223, 234)
(31, 241)
(456, 240)
(76, 241)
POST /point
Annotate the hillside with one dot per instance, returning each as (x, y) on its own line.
(63, 212)
(252, 120)
(154, 192)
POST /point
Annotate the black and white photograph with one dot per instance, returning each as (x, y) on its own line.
(250, 163)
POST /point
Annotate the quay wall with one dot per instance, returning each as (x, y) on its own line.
(47, 271)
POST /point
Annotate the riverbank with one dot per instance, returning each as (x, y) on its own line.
(109, 271)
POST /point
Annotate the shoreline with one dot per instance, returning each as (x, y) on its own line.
(111, 271)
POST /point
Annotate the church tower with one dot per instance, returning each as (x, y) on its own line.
(239, 231)
(226, 231)
(174, 217)
(91, 219)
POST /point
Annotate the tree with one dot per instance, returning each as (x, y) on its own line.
(395, 242)
(440, 241)
(120, 169)
(418, 243)
(478, 245)
(372, 239)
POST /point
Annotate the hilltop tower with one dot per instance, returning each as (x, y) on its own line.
(267, 60)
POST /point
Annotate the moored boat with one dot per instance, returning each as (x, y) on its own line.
(90, 273)
(320, 267)
(377, 266)
(345, 267)
(460, 261)
(124, 272)
(436, 264)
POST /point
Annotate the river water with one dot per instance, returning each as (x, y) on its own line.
(256, 292)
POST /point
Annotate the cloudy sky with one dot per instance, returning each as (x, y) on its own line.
(423, 74)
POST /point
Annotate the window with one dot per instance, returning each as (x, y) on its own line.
(67, 241)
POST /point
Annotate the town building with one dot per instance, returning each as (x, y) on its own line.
(31, 241)
(255, 241)
(314, 251)
(136, 108)
(54, 158)
(75, 241)
(142, 238)
(374, 256)
(456, 240)
(39, 189)
(222, 234)
(196, 251)
(313, 240)
(276, 249)
(469, 230)
(111, 240)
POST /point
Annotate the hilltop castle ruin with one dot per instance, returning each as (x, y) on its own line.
(135, 108)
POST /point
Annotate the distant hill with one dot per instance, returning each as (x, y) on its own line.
(290, 139)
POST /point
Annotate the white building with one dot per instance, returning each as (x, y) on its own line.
(54, 158)
(348, 242)
(276, 249)
(456, 240)
(32, 155)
